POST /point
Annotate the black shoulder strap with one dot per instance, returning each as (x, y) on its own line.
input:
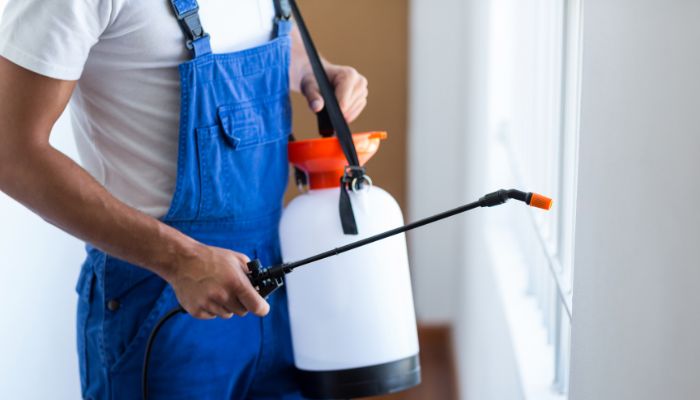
(331, 118)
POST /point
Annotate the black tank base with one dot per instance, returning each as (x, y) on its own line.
(375, 380)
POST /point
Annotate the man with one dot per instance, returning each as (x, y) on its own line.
(183, 138)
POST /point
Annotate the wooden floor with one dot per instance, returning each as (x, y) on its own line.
(438, 369)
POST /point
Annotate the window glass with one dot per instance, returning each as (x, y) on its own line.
(534, 103)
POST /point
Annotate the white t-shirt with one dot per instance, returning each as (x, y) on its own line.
(125, 54)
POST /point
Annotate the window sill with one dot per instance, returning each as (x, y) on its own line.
(533, 355)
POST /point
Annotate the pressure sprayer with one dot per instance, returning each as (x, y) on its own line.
(352, 317)
(370, 380)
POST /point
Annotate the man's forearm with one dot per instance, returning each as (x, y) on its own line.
(208, 281)
(64, 194)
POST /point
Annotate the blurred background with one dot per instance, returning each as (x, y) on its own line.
(597, 112)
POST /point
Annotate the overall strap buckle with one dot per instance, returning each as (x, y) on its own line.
(192, 26)
(187, 13)
(283, 10)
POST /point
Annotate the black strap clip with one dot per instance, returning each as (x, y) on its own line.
(302, 180)
(283, 10)
(191, 24)
(355, 178)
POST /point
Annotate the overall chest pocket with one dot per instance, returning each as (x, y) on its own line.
(243, 159)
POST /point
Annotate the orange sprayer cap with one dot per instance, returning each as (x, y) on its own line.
(540, 201)
(323, 158)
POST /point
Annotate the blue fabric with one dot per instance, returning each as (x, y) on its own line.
(182, 7)
(202, 46)
(232, 173)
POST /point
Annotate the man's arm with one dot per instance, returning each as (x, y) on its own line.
(208, 281)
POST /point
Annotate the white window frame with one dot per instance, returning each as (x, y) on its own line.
(543, 242)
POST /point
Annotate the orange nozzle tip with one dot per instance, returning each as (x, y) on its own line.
(540, 201)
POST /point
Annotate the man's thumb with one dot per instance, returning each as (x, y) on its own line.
(316, 103)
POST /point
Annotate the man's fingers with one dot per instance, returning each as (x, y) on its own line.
(356, 110)
(359, 99)
(253, 302)
(317, 104)
(354, 94)
(344, 91)
(244, 260)
(310, 90)
(202, 314)
(350, 89)
(350, 85)
(235, 306)
(220, 311)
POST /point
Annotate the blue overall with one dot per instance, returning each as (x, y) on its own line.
(231, 175)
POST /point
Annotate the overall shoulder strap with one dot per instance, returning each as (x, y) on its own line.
(187, 14)
(283, 10)
(283, 14)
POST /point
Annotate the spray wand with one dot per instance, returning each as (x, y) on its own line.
(268, 279)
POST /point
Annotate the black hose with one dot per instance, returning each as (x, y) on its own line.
(149, 346)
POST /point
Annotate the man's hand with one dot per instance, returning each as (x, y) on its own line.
(350, 86)
(350, 89)
(214, 283)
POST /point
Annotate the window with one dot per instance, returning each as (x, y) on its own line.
(534, 106)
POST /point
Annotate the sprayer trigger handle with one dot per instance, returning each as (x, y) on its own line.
(261, 280)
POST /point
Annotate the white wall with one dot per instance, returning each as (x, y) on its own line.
(39, 268)
(636, 288)
(435, 140)
(453, 280)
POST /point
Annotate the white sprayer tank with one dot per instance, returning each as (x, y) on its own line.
(352, 316)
